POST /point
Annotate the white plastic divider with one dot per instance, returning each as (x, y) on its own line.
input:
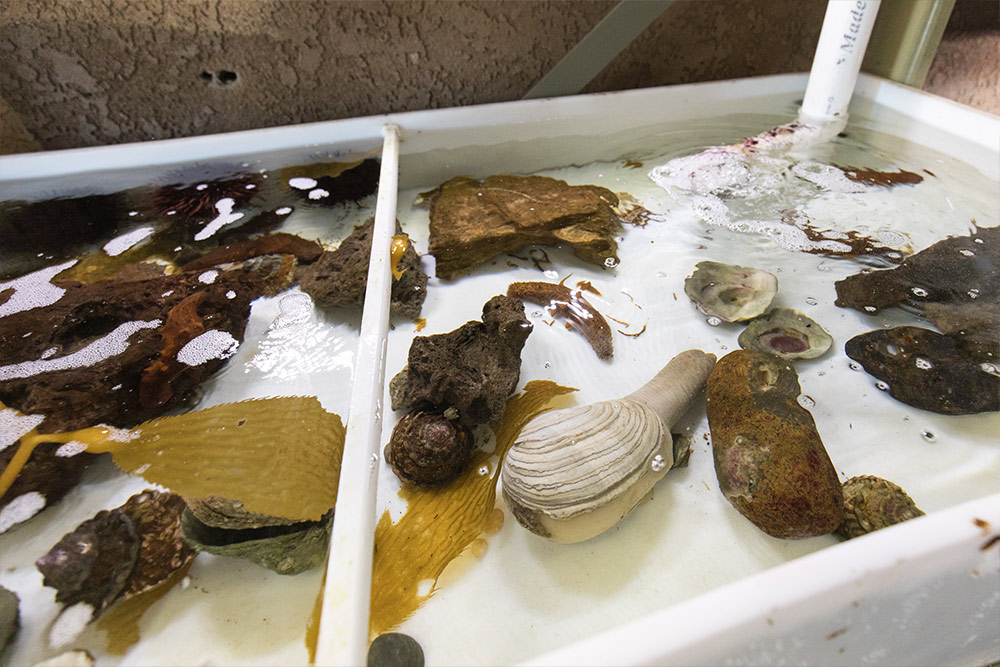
(343, 625)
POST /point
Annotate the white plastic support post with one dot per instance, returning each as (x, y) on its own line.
(841, 48)
(343, 626)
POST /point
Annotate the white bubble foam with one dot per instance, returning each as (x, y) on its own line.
(225, 208)
(13, 425)
(208, 277)
(117, 246)
(302, 183)
(71, 448)
(21, 509)
(212, 344)
(318, 193)
(33, 290)
(110, 345)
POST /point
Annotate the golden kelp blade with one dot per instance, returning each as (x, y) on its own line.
(278, 456)
(440, 523)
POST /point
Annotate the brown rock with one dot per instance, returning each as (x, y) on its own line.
(106, 389)
(269, 244)
(44, 473)
(959, 270)
(472, 369)
(339, 277)
(472, 221)
(769, 458)
(927, 370)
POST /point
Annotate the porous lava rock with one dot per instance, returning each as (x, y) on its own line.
(472, 369)
(339, 277)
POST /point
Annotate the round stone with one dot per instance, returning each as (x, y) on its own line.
(394, 649)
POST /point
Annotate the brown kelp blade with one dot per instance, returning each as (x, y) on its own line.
(440, 523)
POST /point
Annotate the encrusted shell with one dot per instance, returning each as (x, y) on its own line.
(786, 333)
(871, 503)
(585, 462)
(731, 293)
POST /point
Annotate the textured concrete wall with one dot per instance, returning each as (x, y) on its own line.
(90, 72)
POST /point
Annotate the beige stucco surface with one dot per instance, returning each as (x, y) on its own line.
(91, 72)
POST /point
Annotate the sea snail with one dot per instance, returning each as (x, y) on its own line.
(574, 473)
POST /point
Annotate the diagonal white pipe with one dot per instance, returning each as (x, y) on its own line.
(343, 626)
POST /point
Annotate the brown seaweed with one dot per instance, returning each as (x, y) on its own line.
(927, 370)
(472, 221)
(303, 250)
(472, 369)
(883, 178)
(561, 301)
(440, 523)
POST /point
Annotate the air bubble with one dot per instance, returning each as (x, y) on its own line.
(892, 349)
(611, 262)
(928, 436)
(881, 386)
(870, 309)
(806, 401)
(661, 274)
(973, 293)
(658, 463)
(547, 364)
(990, 368)
(811, 301)
(918, 291)
(854, 366)
(967, 253)
(713, 321)
(923, 364)
(483, 471)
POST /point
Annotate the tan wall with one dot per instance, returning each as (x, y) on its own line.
(90, 72)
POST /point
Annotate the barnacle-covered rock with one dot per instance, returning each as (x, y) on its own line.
(117, 555)
(339, 277)
(871, 503)
(427, 448)
(786, 333)
(731, 293)
(927, 370)
(472, 369)
(222, 527)
(472, 221)
(769, 457)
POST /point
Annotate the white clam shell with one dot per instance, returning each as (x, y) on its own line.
(573, 462)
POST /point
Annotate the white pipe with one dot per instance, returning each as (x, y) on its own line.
(837, 61)
(343, 627)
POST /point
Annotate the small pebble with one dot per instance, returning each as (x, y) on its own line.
(394, 649)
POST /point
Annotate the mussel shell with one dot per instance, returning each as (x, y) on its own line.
(786, 333)
(568, 462)
(731, 293)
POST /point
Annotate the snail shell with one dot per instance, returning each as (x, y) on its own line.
(572, 474)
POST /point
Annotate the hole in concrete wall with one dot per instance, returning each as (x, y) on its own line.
(222, 77)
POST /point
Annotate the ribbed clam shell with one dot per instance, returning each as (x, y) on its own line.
(570, 461)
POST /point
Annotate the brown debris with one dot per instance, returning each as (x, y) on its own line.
(561, 301)
(883, 178)
(270, 244)
(472, 221)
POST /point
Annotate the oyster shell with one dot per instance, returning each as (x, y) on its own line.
(222, 527)
(572, 474)
(786, 333)
(871, 503)
(731, 293)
